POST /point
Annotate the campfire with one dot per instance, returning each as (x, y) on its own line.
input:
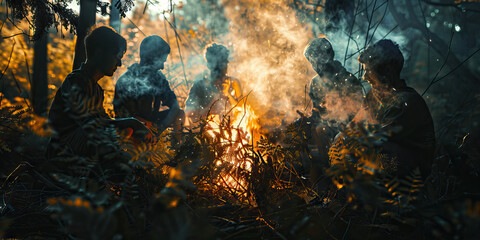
(232, 135)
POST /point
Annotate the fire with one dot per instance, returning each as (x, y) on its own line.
(234, 132)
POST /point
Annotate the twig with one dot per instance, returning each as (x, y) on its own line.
(135, 25)
(428, 38)
(350, 35)
(346, 230)
(391, 30)
(179, 50)
(443, 65)
(456, 67)
(457, 6)
(369, 22)
(19, 88)
(16, 34)
(5, 70)
(381, 20)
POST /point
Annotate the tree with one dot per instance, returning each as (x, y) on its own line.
(88, 9)
(115, 20)
(39, 86)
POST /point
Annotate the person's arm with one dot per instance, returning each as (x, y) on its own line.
(172, 114)
(139, 129)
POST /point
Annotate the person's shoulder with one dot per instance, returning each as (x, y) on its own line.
(76, 78)
(124, 78)
(315, 80)
(159, 80)
(410, 95)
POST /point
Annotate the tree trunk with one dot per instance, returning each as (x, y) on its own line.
(40, 79)
(115, 20)
(88, 10)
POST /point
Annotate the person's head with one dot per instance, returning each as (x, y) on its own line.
(319, 52)
(154, 52)
(383, 62)
(105, 48)
(217, 58)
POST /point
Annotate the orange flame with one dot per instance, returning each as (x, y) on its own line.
(234, 163)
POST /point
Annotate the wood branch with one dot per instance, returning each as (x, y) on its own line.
(433, 39)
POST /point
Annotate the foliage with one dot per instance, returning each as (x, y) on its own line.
(44, 14)
(137, 190)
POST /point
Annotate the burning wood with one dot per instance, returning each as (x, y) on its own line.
(232, 135)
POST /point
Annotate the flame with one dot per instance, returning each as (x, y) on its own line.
(235, 133)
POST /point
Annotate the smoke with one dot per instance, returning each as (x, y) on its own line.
(268, 42)
(341, 108)
(137, 82)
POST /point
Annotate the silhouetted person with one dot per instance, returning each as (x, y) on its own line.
(335, 82)
(339, 14)
(215, 88)
(393, 105)
(332, 80)
(79, 101)
(143, 89)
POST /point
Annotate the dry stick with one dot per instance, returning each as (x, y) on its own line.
(369, 23)
(19, 88)
(428, 40)
(179, 50)
(168, 42)
(5, 70)
(457, 6)
(171, 8)
(145, 8)
(26, 62)
(3, 23)
(244, 108)
(350, 34)
(135, 25)
(379, 22)
(23, 32)
(346, 230)
(443, 65)
(456, 67)
(391, 30)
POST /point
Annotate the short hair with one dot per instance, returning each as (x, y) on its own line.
(104, 38)
(216, 55)
(319, 48)
(153, 47)
(384, 54)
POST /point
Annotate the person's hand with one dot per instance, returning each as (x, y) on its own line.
(140, 131)
(226, 88)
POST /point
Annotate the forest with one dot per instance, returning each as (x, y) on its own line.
(261, 167)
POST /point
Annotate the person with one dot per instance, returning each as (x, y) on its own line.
(78, 103)
(143, 89)
(214, 87)
(331, 79)
(397, 108)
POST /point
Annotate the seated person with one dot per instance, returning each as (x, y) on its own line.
(79, 100)
(214, 87)
(331, 78)
(335, 82)
(143, 89)
(397, 108)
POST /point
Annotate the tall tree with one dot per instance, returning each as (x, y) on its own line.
(115, 20)
(40, 79)
(88, 9)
